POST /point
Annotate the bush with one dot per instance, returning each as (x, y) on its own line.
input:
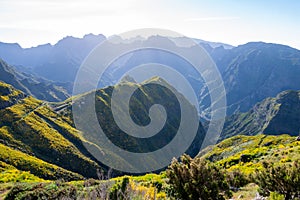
(237, 179)
(118, 191)
(197, 179)
(283, 179)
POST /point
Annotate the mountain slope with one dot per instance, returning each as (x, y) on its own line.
(255, 71)
(139, 113)
(276, 115)
(32, 85)
(247, 153)
(29, 126)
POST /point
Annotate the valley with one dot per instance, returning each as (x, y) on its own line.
(44, 154)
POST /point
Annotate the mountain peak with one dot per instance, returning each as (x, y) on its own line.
(127, 79)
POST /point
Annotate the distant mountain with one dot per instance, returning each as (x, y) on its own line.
(33, 85)
(57, 62)
(251, 72)
(255, 71)
(61, 61)
(278, 115)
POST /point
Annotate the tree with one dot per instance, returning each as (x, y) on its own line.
(283, 179)
(197, 179)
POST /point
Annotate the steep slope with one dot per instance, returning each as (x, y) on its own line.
(255, 71)
(30, 130)
(29, 127)
(248, 153)
(139, 113)
(32, 85)
(277, 115)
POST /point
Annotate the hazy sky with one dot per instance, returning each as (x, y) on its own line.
(33, 22)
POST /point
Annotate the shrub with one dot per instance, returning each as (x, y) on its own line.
(283, 179)
(237, 179)
(197, 179)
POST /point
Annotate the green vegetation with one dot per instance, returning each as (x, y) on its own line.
(281, 179)
(144, 98)
(197, 179)
(248, 153)
(187, 179)
(39, 144)
(28, 127)
(36, 166)
(15, 175)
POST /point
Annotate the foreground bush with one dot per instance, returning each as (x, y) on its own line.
(197, 179)
(282, 179)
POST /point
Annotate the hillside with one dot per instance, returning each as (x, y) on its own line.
(255, 71)
(275, 116)
(31, 127)
(248, 153)
(244, 153)
(145, 96)
(34, 138)
(33, 85)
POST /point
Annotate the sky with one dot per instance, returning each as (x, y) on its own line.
(34, 22)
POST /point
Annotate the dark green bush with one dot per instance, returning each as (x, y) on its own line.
(283, 179)
(197, 179)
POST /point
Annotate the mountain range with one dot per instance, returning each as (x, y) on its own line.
(251, 72)
(37, 131)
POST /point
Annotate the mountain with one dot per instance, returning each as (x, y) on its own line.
(255, 71)
(34, 133)
(145, 95)
(277, 115)
(251, 72)
(61, 61)
(34, 138)
(34, 85)
(57, 62)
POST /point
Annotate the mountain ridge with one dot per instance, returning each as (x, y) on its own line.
(33, 85)
(273, 115)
